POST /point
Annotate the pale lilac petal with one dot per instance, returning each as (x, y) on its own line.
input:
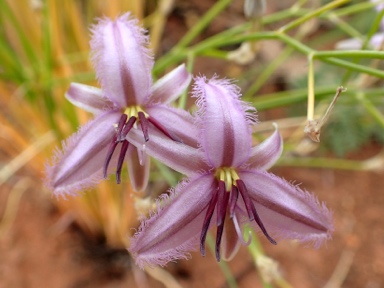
(175, 229)
(230, 243)
(379, 6)
(138, 168)
(176, 121)
(265, 155)
(178, 156)
(287, 211)
(79, 165)
(349, 44)
(225, 124)
(169, 87)
(122, 60)
(88, 98)
(375, 42)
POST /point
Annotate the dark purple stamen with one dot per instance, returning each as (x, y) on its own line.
(122, 130)
(123, 151)
(115, 140)
(222, 204)
(251, 209)
(221, 200)
(162, 129)
(127, 128)
(207, 220)
(233, 200)
(144, 125)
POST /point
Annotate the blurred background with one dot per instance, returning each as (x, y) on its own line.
(80, 241)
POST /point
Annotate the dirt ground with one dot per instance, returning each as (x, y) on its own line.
(35, 250)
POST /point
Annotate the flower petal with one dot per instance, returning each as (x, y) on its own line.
(178, 156)
(266, 153)
(169, 87)
(349, 44)
(230, 243)
(80, 164)
(122, 62)
(176, 121)
(287, 211)
(175, 228)
(225, 124)
(138, 168)
(356, 44)
(88, 98)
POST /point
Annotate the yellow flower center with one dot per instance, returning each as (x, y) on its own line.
(228, 175)
(134, 111)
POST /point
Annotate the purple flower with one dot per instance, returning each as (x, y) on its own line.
(127, 99)
(227, 186)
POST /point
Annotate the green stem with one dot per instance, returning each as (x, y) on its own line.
(267, 72)
(355, 67)
(311, 15)
(311, 89)
(294, 43)
(352, 9)
(203, 23)
(374, 28)
(372, 110)
(350, 53)
(286, 98)
(344, 26)
(174, 55)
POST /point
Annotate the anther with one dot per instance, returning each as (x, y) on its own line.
(251, 209)
(207, 220)
(222, 204)
(162, 129)
(232, 201)
(123, 151)
(112, 146)
(144, 125)
(122, 129)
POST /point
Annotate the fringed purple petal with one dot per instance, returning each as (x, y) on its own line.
(122, 60)
(79, 165)
(175, 228)
(286, 210)
(169, 87)
(178, 156)
(88, 98)
(138, 168)
(176, 121)
(224, 121)
(265, 155)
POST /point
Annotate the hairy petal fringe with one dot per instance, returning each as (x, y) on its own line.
(226, 134)
(79, 164)
(122, 60)
(287, 211)
(174, 228)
